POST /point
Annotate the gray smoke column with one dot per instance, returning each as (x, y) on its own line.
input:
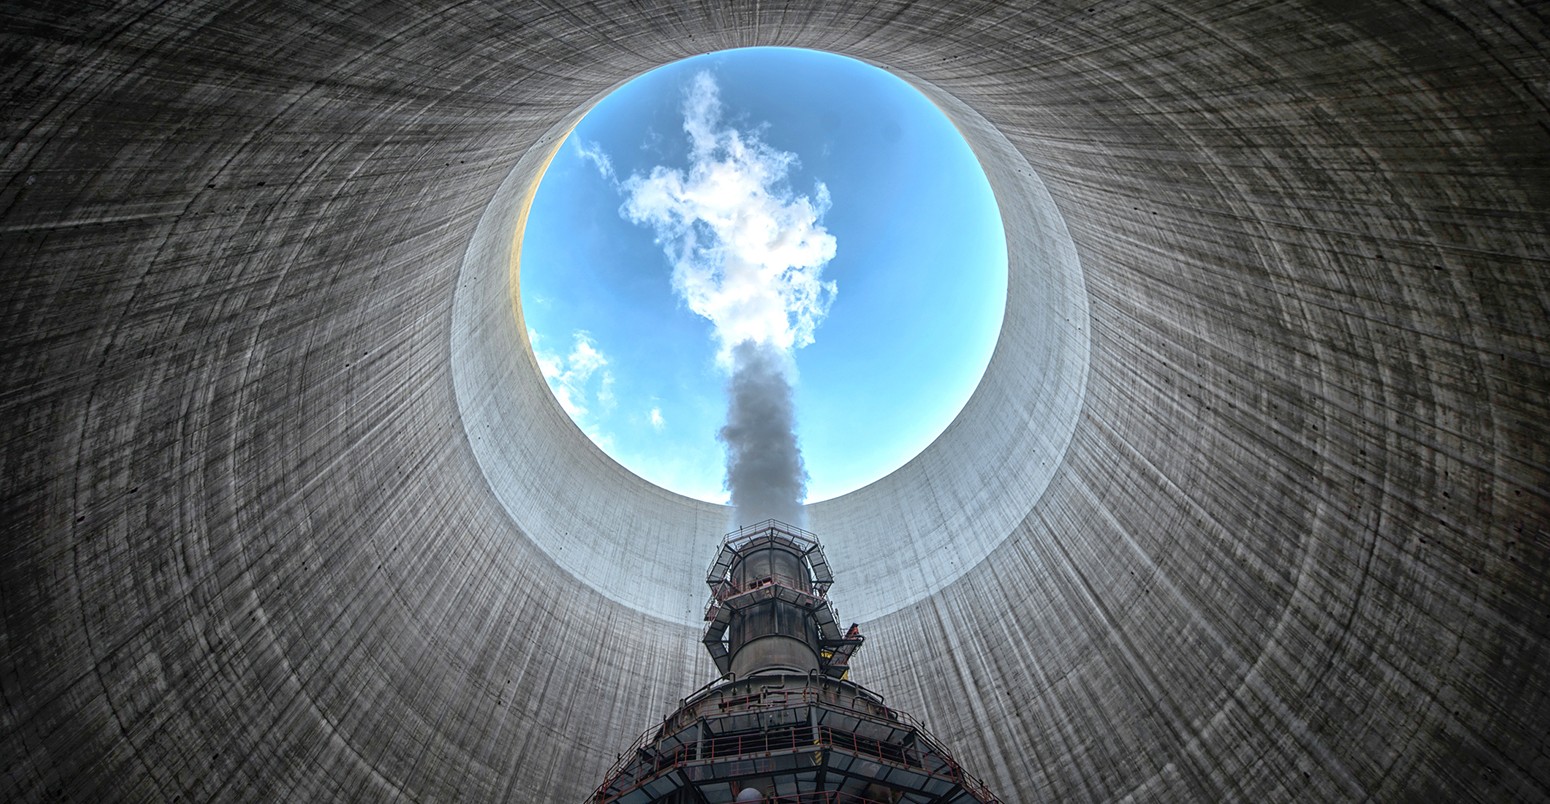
(748, 256)
(764, 463)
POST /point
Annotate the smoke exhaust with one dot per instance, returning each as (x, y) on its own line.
(748, 256)
(765, 474)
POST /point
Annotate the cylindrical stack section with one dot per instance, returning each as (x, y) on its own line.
(774, 634)
(782, 722)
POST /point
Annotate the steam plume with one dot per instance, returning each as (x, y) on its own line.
(748, 256)
(764, 464)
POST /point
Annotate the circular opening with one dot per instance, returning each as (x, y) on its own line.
(803, 198)
(893, 542)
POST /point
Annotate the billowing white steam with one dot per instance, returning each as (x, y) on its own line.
(748, 255)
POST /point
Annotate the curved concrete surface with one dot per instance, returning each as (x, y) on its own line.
(1296, 546)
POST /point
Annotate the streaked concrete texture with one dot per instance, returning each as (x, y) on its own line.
(1294, 544)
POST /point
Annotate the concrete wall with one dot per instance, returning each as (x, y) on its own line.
(1296, 545)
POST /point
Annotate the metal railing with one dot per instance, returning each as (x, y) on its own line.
(822, 797)
(788, 740)
(750, 532)
(773, 529)
(726, 590)
(791, 739)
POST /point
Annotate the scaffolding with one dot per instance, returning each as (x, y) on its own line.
(807, 592)
(766, 725)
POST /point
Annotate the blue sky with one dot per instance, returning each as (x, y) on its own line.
(887, 261)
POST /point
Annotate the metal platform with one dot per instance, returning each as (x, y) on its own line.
(797, 737)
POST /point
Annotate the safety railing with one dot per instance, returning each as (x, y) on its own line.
(822, 797)
(934, 759)
(776, 532)
(729, 590)
(830, 698)
(777, 698)
(795, 535)
(645, 763)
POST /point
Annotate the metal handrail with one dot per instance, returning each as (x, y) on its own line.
(807, 541)
(726, 590)
(743, 745)
(822, 797)
(809, 696)
(771, 524)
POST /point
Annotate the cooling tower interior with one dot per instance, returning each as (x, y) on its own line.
(1252, 503)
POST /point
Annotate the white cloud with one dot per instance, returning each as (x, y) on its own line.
(651, 141)
(605, 391)
(657, 423)
(748, 254)
(604, 441)
(571, 377)
(592, 152)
